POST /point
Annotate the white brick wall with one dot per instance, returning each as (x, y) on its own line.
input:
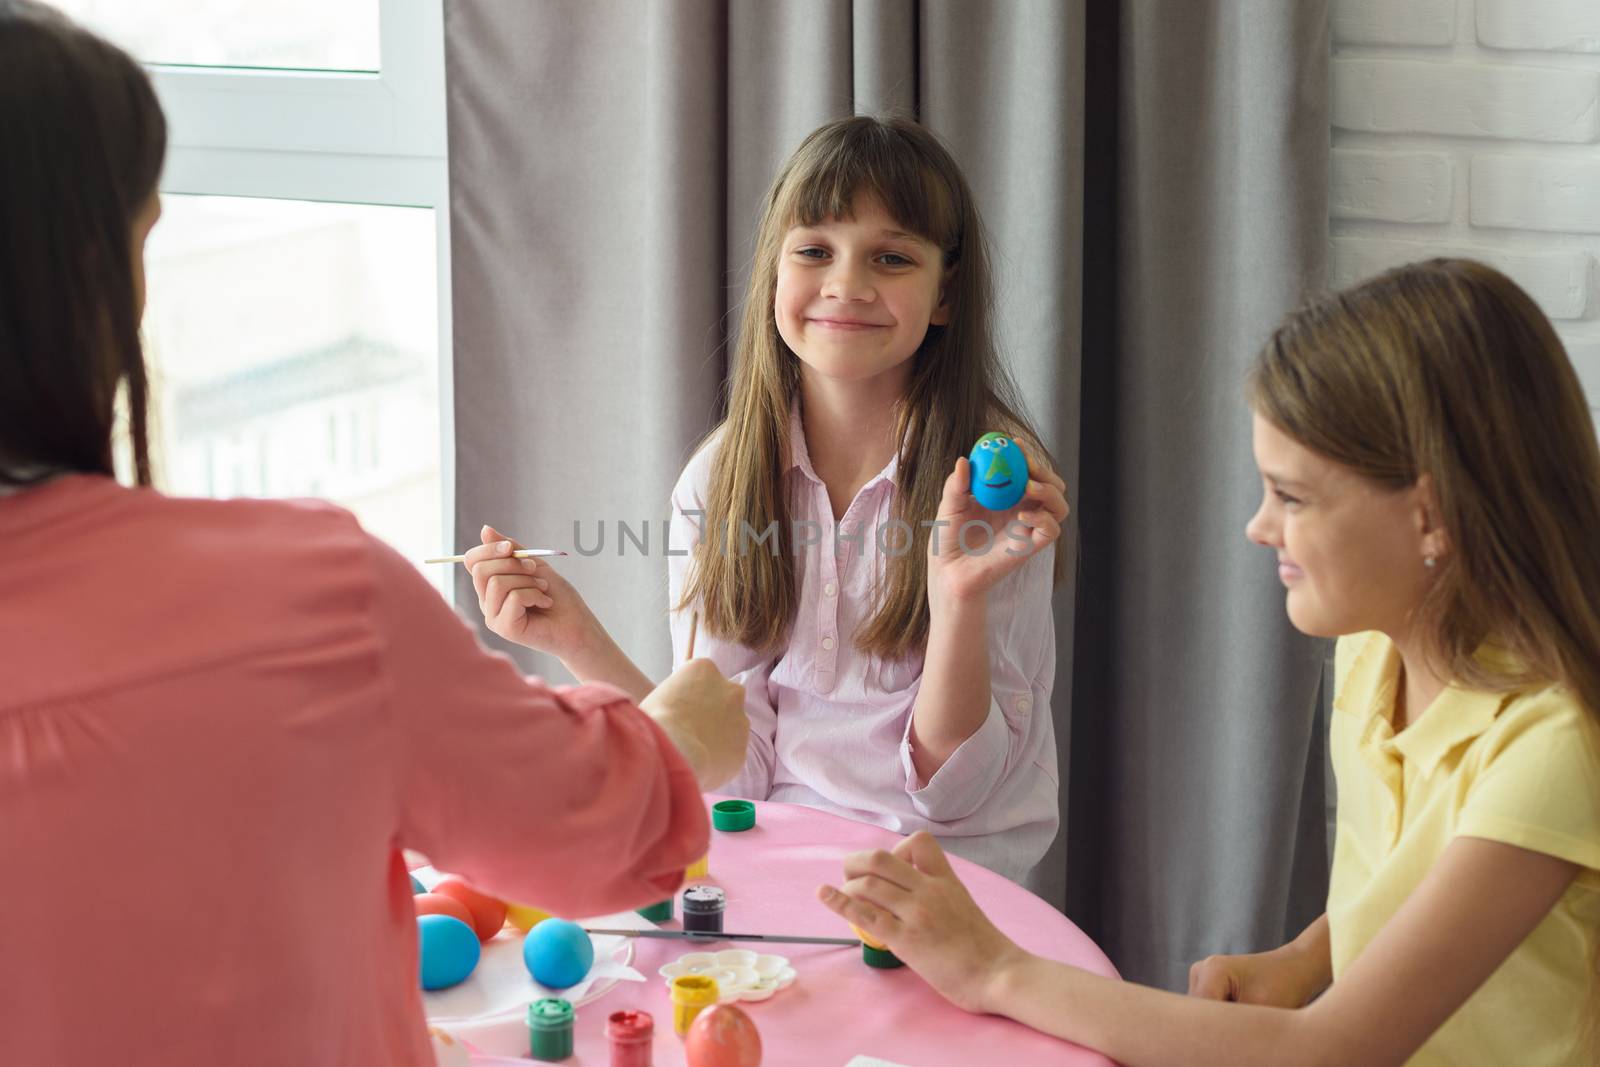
(1466, 99)
(1554, 26)
(1386, 22)
(1472, 127)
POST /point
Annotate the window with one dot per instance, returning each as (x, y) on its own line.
(294, 350)
(300, 34)
(298, 313)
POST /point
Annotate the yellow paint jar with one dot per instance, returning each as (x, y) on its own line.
(691, 994)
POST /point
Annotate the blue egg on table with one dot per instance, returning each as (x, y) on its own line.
(417, 886)
(447, 950)
(999, 471)
(558, 953)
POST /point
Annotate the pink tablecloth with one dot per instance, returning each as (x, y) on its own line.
(839, 1007)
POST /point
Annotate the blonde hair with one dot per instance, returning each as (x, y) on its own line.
(1447, 368)
(957, 391)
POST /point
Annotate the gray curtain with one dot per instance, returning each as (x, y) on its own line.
(1196, 818)
(607, 163)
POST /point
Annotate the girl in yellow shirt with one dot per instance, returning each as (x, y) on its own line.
(1431, 489)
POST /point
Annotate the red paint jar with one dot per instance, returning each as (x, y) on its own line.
(630, 1034)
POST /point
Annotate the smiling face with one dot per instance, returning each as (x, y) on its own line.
(1349, 550)
(855, 296)
(999, 471)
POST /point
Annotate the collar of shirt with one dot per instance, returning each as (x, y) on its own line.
(29, 478)
(800, 456)
(1455, 717)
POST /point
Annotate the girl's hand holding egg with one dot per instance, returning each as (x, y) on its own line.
(992, 518)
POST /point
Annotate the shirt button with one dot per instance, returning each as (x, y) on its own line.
(829, 589)
(827, 644)
(1024, 703)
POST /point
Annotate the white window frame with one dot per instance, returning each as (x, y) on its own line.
(331, 136)
(398, 111)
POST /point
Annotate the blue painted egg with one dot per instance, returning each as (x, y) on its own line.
(447, 950)
(417, 886)
(999, 472)
(558, 953)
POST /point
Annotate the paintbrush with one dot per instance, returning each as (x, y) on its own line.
(521, 553)
(698, 935)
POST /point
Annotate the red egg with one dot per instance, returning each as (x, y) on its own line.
(439, 904)
(488, 914)
(722, 1036)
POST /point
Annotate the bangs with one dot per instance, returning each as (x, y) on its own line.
(869, 160)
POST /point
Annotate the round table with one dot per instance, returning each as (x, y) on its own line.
(839, 1007)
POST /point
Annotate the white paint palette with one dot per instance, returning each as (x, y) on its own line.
(739, 973)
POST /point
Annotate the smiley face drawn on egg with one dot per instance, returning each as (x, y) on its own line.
(999, 471)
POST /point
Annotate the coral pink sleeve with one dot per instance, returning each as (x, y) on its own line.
(567, 798)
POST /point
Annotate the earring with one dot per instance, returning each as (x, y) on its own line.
(1427, 561)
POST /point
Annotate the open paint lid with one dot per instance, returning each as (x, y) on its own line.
(731, 816)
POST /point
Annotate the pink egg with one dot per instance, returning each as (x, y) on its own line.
(488, 913)
(439, 904)
(723, 1036)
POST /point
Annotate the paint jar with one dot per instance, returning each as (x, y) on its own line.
(550, 1029)
(703, 908)
(880, 958)
(700, 868)
(874, 952)
(630, 1034)
(691, 994)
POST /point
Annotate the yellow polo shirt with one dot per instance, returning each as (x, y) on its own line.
(1520, 768)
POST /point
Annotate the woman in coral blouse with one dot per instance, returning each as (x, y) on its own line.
(221, 721)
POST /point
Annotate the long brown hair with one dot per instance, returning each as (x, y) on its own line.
(1447, 368)
(81, 144)
(958, 388)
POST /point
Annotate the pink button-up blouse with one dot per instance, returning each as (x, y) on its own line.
(830, 725)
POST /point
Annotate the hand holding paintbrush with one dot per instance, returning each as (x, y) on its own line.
(525, 600)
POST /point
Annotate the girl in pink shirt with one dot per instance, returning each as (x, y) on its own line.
(895, 639)
(221, 721)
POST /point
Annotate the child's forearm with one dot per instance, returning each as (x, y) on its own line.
(601, 660)
(1316, 954)
(954, 697)
(1137, 1025)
